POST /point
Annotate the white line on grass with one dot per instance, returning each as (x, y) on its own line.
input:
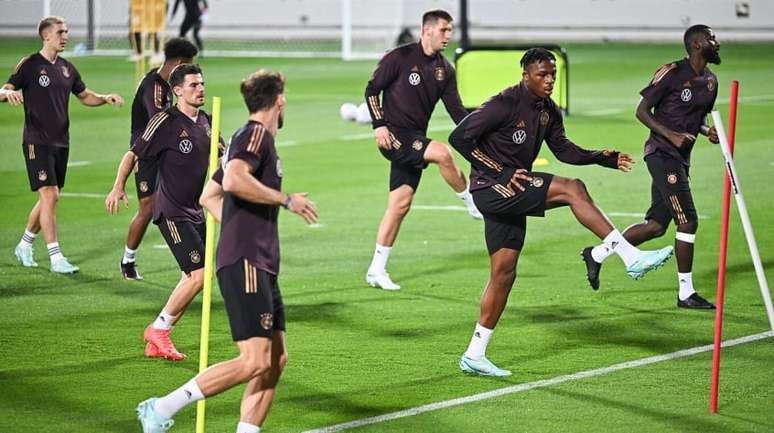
(429, 207)
(363, 136)
(78, 163)
(537, 384)
(642, 215)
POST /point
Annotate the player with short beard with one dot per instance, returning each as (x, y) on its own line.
(179, 137)
(674, 106)
(412, 79)
(248, 265)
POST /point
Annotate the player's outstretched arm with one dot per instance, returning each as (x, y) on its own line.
(9, 94)
(238, 180)
(117, 193)
(212, 199)
(645, 115)
(89, 98)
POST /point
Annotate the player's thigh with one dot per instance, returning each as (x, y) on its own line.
(252, 299)
(506, 201)
(438, 153)
(671, 179)
(658, 211)
(186, 241)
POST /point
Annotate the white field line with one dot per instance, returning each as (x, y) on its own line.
(537, 384)
(602, 112)
(642, 215)
(78, 163)
(430, 207)
(363, 136)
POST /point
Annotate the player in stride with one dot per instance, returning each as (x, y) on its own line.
(501, 140)
(248, 265)
(674, 106)
(413, 78)
(42, 82)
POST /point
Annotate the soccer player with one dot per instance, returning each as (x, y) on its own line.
(501, 140)
(194, 18)
(42, 82)
(674, 106)
(248, 263)
(179, 137)
(413, 78)
(153, 95)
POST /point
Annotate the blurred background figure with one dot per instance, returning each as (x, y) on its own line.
(195, 16)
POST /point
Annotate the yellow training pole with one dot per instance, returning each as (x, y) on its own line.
(209, 265)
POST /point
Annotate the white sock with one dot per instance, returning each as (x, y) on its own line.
(244, 427)
(27, 238)
(171, 403)
(478, 343)
(616, 242)
(686, 285)
(53, 251)
(601, 252)
(466, 198)
(379, 262)
(164, 321)
(128, 255)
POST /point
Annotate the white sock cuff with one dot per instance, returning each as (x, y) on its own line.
(685, 237)
(464, 193)
(244, 427)
(193, 388)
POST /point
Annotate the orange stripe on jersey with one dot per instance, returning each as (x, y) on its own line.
(662, 72)
(19, 65)
(157, 95)
(255, 139)
(374, 102)
(153, 125)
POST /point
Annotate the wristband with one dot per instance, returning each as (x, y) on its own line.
(704, 129)
(286, 205)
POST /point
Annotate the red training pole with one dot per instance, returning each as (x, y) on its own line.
(723, 250)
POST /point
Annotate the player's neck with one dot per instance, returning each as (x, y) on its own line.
(698, 63)
(268, 119)
(189, 110)
(426, 47)
(165, 71)
(49, 54)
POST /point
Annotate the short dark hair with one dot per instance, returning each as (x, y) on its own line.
(179, 48)
(536, 55)
(48, 22)
(177, 77)
(432, 16)
(261, 88)
(693, 33)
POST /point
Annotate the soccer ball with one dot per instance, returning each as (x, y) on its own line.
(348, 112)
(363, 116)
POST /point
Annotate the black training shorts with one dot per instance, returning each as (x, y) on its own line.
(505, 211)
(671, 197)
(186, 241)
(407, 157)
(253, 301)
(46, 165)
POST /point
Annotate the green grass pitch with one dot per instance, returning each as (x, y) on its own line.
(71, 347)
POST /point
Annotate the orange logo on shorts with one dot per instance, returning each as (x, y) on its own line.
(42, 175)
(672, 179)
(417, 145)
(195, 256)
(144, 186)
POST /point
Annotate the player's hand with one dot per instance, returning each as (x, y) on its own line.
(383, 137)
(625, 162)
(114, 99)
(14, 97)
(681, 139)
(111, 202)
(712, 135)
(519, 176)
(300, 204)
